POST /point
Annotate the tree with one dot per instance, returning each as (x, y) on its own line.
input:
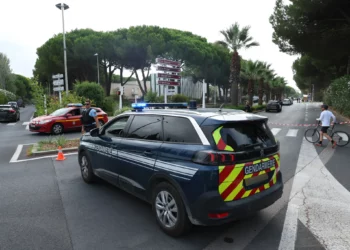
(320, 29)
(81, 63)
(266, 75)
(251, 71)
(235, 39)
(5, 73)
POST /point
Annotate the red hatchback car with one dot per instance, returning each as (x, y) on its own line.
(64, 119)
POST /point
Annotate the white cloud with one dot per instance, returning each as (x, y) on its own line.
(29, 24)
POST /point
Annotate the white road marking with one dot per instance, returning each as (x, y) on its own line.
(275, 131)
(31, 118)
(11, 124)
(306, 119)
(16, 154)
(292, 132)
(319, 201)
(25, 123)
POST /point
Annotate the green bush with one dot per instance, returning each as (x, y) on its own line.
(259, 107)
(151, 97)
(109, 105)
(3, 98)
(53, 102)
(92, 91)
(118, 112)
(179, 98)
(338, 95)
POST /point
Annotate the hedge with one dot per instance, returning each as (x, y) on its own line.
(338, 95)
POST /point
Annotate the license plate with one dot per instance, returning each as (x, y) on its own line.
(259, 166)
(263, 178)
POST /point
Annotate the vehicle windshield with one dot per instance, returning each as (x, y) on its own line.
(60, 112)
(244, 136)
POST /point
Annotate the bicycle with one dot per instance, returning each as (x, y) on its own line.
(341, 138)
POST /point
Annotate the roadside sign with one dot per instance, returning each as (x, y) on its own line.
(169, 83)
(58, 76)
(172, 75)
(58, 82)
(58, 88)
(169, 75)
(170, 69)
(169, 62)
(171, 90)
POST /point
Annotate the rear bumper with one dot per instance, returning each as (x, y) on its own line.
(8, 118)
(212, 202)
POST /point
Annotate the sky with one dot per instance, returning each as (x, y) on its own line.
(28, 24)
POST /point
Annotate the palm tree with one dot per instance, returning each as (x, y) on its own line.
(236, 38)
(251, 71)
(266, 74)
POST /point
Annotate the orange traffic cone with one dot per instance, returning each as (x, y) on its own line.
(60, 156)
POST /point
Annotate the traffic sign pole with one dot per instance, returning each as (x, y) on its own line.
(165, 94)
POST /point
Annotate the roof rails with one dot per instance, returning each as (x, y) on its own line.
(141, 106)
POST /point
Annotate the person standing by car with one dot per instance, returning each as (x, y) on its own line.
(247, 107)
(325, 120)
(89, 118)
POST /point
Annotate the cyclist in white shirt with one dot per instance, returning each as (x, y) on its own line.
(325, 120)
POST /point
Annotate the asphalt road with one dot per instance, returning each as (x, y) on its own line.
(44, 204)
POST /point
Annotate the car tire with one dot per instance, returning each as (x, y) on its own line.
(266, 110)
(86, 169)
(163, 195)
(19, 118)
(57, 129)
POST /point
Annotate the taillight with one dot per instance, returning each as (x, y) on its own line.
(12, 111)
(214, 158)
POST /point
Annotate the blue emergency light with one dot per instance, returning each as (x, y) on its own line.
(74, 105)
(140, 106)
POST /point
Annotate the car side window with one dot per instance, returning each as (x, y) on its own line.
(146, 127)
(179, 129)
(116, 128)
(75, 112)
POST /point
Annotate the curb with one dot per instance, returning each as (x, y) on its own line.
(35, 151)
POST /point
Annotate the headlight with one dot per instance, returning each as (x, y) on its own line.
(44, 121)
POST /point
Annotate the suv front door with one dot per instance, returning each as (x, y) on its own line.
(138, 151)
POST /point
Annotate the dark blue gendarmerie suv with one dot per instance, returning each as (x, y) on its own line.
(195, 166)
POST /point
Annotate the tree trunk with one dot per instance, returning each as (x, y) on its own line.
(261, 90)
(234, 77)
(250, 92)
(208, 93)
(139, 83)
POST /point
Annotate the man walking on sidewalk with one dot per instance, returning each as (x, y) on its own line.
(325, 120)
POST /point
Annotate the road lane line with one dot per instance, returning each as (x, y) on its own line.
(322, 202)
(275, 131)
(25, 123)
(11, 124)
(16, 154)
(292, 132)
(42, 157)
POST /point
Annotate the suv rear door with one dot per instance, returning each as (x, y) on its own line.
(138, 151)
(256, 158)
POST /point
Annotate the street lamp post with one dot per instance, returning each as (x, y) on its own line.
(98, 69)
(63, 7)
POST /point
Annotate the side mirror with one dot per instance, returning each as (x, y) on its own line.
(95, 132)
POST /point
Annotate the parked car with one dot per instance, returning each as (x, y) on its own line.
(273, 105)
(287, 102)
(64, 119)
(9, 113)
(14, 104)
(202, 166)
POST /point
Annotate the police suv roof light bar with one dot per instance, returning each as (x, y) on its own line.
(141, 106)
(74, 105)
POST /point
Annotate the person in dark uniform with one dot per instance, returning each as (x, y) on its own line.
(247, 108)
(89, 118)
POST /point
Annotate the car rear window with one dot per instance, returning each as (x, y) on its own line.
(245, 136)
